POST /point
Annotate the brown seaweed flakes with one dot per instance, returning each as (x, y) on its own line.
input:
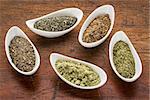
(22, 54)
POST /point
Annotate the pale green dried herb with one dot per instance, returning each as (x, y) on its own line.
(77, 73)
(123, 59)
(55, 24)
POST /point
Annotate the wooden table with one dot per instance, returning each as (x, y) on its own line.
(131, 17)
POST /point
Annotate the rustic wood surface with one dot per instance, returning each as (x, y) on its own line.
(132, 16)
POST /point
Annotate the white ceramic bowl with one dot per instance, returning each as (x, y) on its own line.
(105, 9)
(55, 56)
(120, 35)
(75, 12)
(16, 31)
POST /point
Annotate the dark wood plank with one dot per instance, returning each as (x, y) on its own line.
(132, 16)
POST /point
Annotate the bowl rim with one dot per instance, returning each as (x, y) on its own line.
(80, 61)
(135, 55)
(22, 34)
(96, 43)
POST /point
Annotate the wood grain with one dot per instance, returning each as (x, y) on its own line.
(132, 16)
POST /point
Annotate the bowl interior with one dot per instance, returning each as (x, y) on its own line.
(75, 12)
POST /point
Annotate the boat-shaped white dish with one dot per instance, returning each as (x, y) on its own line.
(105, 9)
(103, 77)
(75, 12)
(16, 31)
(120, 35)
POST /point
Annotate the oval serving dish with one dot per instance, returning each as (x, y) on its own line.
(16, 31)
(105, 9)
(103, 76)
(74, 12)
(120, 35)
